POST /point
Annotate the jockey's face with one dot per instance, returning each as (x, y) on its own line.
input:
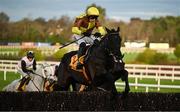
(92, 18)
(30, 59)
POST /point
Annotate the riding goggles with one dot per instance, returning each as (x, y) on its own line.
(93, 17)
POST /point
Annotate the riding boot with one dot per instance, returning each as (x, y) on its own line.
(22, 83)
(27, 80)
(80, 53)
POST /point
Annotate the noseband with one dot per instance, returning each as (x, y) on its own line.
(117, 61)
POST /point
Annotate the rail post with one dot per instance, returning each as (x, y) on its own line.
(5, 73)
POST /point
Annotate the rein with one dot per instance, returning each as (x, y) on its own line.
(116, 58)
(71, 42)
(105, 43)
(39, 75)
(35, 84)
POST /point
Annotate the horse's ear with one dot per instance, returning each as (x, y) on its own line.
(118, 29)
(108, 31)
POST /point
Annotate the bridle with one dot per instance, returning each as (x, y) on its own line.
(116, 58)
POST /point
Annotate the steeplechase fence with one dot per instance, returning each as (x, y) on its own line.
(88, 101)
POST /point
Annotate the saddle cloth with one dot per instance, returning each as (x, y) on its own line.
(74, 61)
(82, 59)
(73, 65)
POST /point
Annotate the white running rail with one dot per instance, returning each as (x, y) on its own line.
(136, 71)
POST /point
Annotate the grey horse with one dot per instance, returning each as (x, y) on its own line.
(44, 73)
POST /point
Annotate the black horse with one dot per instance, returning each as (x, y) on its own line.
(103, 66)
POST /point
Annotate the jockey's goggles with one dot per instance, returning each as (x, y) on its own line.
(93, 17)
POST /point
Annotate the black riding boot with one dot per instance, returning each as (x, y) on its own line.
(27, 80)
(80, 53)
(23, 81)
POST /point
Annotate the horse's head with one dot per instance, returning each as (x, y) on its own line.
(47, 71)
(112, 42)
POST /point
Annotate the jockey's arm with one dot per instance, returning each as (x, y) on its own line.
(76, 30)
(101, 30)
(23, 66)
(76, 27)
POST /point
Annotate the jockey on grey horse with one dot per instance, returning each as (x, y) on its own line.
(26, 68)
(43, 79)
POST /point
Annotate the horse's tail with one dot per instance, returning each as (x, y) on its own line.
(11, 86)
(5, 88)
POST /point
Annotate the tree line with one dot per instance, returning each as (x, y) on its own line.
(159, 29)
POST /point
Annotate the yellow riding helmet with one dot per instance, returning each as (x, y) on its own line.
(92, 11)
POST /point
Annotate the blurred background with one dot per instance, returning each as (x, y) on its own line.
(150, 31)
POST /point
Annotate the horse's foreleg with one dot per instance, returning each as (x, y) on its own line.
(127, 88)
(106, 82)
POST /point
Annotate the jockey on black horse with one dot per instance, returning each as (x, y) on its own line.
(83, 26)
(103, 66)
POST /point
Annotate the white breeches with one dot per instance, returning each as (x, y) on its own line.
(87, 40)
(19, 70)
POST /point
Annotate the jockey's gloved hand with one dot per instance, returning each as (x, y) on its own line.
(97, 34)
(87, 34)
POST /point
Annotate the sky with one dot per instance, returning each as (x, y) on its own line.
(115, 9)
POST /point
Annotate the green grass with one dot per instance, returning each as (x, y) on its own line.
(171, 56)
(12, 76)
(152, 81)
